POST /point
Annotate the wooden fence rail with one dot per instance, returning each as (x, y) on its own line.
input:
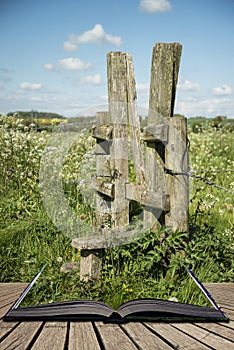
(162, 144)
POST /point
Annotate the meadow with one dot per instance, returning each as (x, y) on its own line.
(152, 266)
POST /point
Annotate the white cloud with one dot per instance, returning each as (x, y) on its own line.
(49, 67)
(222, 90)
(30, 86)
(95, 35)
(209, 107)
(187, 85)
(73, 63)
(92, 79)
(70, 46)
(152, 6)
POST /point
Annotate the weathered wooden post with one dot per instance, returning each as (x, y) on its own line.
(92, 250)
(176, 159)
(165, 134)
(104, 192)
(112, 155)
(117, 98)
(125, 121)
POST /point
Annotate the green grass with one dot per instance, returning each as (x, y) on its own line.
(150, 267)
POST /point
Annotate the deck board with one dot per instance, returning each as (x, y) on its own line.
(144, 338)
(21, 336)
(82, 336)
(129, 336)
(112, 336)
(176, 337)
(205, 336)
(52, 336)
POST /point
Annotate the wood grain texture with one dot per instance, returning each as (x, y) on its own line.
(52, 336)
(164, 75)
(114, 338)
(82, 336)
(21, 336)
(176, 159)
(144, 338)
(178, 339)
(205, 336)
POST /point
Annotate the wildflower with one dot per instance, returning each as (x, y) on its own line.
(209, 195)
(228, 206)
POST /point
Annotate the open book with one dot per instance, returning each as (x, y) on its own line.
(134, 310)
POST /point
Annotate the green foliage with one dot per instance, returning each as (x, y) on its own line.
(200, 124)
(31, 115)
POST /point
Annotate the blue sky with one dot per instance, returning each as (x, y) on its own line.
(53, 53)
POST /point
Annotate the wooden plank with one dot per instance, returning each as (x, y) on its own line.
(82, 336)
(155, 181)
(52, 336)
(204, 336)
(176, 159)
(222, 292)
(12, 291)
(21, 336)
(134, 191)
(102, 132)
(12, 286)
(156, 200)
(140, 194)
(164, 75)
(90, 264)
(134, 123)
(229, 325)
(178, 339)
(105, 187)
(228, 312)
(9, 297)
(91, 260)
(114, 338)
(155, 133)
(144, 338)
(9, 292)
(5, 308)
(103, 200)
(117, 75)
(220, 329)
(6, 327)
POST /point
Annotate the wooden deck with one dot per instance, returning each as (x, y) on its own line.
(130, 336)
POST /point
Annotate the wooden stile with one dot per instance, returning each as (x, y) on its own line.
(163, 195)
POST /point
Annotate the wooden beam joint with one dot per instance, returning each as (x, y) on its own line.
(104, 186)
(155, 133)
(102, 132)
(147, 198)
